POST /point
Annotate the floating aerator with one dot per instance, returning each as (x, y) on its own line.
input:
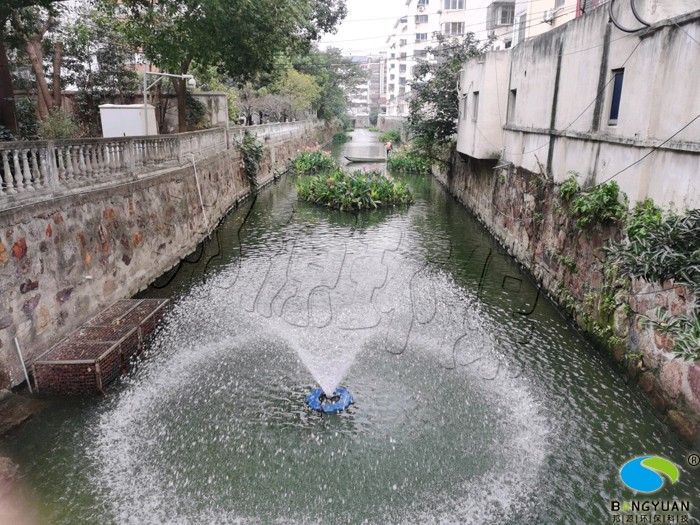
(340, 400)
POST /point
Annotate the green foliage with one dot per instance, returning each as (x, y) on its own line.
(27, 119)
(353, 191)
(252, 152)
(645, 217)
(312, 161)
(601, 205)
(407, 159)
(336, 75)
(393, 135)
(340, 138)
(196, 112)
(565, 261)
(434, 105)
(668, 251)
(685, 330)
(373, 118)
(569, 188)
(6, 135)
(58, 126)
(373, 129)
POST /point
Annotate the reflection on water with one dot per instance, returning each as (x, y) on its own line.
(475, 401)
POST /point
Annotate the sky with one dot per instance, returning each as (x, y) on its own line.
(365, 29)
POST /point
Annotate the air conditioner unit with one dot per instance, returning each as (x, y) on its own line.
(549, 16)
(421, 8)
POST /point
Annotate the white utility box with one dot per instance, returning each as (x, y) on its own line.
(127, 120)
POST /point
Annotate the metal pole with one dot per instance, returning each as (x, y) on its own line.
(199, 191)
(145, 101)
(24, 368)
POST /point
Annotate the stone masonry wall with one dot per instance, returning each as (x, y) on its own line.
(63, 260)
(523, 211)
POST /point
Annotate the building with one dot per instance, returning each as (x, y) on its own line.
(590, 98)
(415, 32)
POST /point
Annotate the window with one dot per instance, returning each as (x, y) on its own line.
(402, 42)
(505, 15)
(393, 56)
(454, 4)
(421, 37)
(508, 43)
(403, 20)
(421, 53)
(522, 21)
(402, 68)
(422, 2)
(559, 3)
(421, 19)
(475, 104)
(618, 75)
(392, 66)
(464, 108)
(392, 77)
(402, 56)
(402, 91)
(402, 81)
(511, 105)
(453, 28)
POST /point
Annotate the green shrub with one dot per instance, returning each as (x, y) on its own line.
(392, 135)
(27, 119)
(252, 152)
(58, 125)
(358, 190)
(600, 205)
(374, 129)
(311, 161)
(340, 138)
(569, 188)
(408, 160)
(645, 218)
(195, 112)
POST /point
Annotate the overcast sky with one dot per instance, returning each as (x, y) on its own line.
(365, 29)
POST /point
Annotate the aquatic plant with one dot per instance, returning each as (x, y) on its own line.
(407, 159)
(358, 190)
(313, 160)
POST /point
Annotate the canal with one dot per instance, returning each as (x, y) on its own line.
(476, 401)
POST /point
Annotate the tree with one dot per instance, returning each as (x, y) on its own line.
(10, 9)
(434, 103)
(97, 61)
(335, 74)
(301, 89)
(241, 37)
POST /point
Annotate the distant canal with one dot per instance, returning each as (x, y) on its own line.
(476, 401)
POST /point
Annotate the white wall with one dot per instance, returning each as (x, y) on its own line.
(565, 78)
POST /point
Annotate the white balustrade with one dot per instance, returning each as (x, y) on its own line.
(46, 168)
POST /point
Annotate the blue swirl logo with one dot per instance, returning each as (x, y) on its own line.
(646, 473)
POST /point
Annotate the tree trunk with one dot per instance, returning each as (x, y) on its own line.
(57, 59)
(8, 114)
(37, 59)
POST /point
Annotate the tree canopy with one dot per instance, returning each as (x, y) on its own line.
(434, 104)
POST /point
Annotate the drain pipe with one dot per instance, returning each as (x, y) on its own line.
(199, 191)
(24, 368)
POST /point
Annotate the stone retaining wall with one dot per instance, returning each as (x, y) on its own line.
(522, 210)
(64, 259)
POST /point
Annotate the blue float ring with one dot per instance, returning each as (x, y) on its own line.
(314, 400)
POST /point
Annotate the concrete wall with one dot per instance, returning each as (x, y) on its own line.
(64, 259)
(559, 123)
(523, 211)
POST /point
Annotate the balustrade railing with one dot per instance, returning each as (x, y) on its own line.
(44, 168)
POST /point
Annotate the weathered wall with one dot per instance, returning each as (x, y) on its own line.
(523, 211)
(62, 260)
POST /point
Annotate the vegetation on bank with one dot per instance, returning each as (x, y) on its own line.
(408, 160)
(657, 246)
(341, 137)
(390, 135)
(313, 160)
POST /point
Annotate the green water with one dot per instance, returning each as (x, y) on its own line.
(475, 400)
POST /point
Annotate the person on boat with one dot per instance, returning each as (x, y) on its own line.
(389, 147)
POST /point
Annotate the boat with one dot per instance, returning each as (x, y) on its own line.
(365, 159)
